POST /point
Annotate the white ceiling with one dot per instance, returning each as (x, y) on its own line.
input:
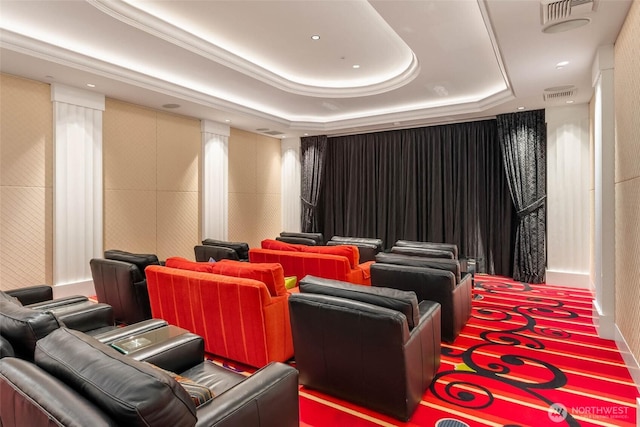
(255, 65)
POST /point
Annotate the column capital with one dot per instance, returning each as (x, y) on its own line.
(76, 96)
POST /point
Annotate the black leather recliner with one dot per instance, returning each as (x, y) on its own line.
(431, 279)
(430, 249)
(79, 381)
(21, 326)
(241, 249)
(367, 247)
(120, 282)
(375, 347)
(204, 253)
(301, 238)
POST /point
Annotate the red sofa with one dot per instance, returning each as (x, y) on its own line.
(329, 262)
(240, 309)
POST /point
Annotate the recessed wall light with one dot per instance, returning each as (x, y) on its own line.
(315, 37)
(91, 85)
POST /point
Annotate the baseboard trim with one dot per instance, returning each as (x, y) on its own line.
(568, 278)
(84, 287)
(604, 323)
(629, 360)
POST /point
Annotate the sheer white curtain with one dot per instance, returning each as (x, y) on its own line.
(290, 178)
(215, 180)
(77, 204)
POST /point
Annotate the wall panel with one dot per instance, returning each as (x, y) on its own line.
(627, 180)
(254, 187)
(151, 180)
(26, 177)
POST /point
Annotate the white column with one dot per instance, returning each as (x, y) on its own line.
(215, 180)
(77, 188)
(568, 179)
(604, 158)
(290, 176)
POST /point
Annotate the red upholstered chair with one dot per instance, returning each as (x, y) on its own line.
(238, 317)
(329, 262)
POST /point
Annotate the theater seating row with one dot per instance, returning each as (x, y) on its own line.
(53, 375)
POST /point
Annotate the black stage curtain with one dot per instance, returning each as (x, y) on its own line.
(441, 184)
(312, 169)
(523, 138)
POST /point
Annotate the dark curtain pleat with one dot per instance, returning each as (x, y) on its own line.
(313, 153)
(440, 184)
(523, 140)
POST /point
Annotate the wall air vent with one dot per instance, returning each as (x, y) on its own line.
(552, 11)
(559, 92)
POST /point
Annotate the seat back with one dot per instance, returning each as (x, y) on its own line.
(318, 238)
(368, 248)
(452, 265)
(424, 252)
(204, 253)
(121, 285)
(453, 248)
(139, 260)
(241, 248)
(430, 284)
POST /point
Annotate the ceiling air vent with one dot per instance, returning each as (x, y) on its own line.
(559, 92)
(273, 133)
(559, 10)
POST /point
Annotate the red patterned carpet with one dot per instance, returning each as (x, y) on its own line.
(529, 356)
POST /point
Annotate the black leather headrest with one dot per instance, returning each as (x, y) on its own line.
(204, 252)
(357, 241)
(405, 302)
(132, 393)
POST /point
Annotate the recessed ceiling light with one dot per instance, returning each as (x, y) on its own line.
(567, 25)
(355, 66)
(315, 37)
(171, 106)
(306, 134)
(227, 121)
(562, 63)
(49, 77)
(520, 108)
(91, 85)
(570, 101)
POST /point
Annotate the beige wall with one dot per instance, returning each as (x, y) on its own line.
(254, 187)
(627, 179)
(151, 188)
(26, 177)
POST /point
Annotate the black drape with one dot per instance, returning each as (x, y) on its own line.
(523, 139)
(311, 170)
(441, 184)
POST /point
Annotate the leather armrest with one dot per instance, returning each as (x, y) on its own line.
(85, 316)
(32, 294)
(176, 354)
(126, 331)
(268, 398)
(58, 302)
